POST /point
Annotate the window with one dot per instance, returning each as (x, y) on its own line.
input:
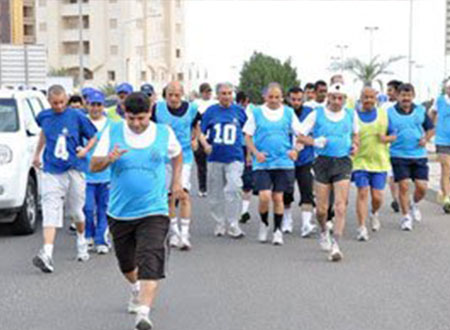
(73, 22)
(71, 48)
(113, 23)
(180, 76)
(178, 53)
(86, 48)
(114, 50)
(111, 75)
(28, 30)
(43, 27)
(28, 12)
(143, 76)
(9, 120)
(31, 108)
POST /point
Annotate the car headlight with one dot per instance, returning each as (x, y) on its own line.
(5, 154)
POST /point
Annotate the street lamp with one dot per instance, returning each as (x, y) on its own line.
(371, 30)
(342, 48)
(410, 41)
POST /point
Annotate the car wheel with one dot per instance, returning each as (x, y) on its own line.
(28, 216)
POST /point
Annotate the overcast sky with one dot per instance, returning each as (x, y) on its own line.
(222, 34)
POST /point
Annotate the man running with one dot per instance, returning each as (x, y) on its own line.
(320, 92)
(414, 129)
(117, 113)
(441, 115)
(335, 136)
(63, 133)
(371, 164)
(269, 131)
(136, 150)
(310, 93)
(222, 124)
(182, 117)
(303, 174)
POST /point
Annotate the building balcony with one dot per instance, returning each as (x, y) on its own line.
(72, 9)
(73, 35)
(29, 39)
(73, 61)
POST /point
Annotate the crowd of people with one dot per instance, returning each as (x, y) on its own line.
(125, 172)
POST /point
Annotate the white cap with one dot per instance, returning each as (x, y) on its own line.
(337, 89)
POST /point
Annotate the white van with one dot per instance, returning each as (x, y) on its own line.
(19, 181)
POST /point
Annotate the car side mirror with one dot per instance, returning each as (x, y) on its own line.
(30, 133)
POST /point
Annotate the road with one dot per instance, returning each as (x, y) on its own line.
(397, 280)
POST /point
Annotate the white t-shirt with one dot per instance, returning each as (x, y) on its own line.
(314, 104)
(434, 106)
(99, 123)
(272, 115)
(389, 104)
(138, 141)
(203, 105)
(308, 124)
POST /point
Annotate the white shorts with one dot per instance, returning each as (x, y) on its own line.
(65, 192)
(185, 176)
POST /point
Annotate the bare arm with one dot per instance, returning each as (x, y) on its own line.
(261, 157)
(99, 164)
(82, 152)
(305, 140)
(177, 165)
(38, 151)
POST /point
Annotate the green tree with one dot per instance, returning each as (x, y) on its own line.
(260, 70)
(368, 73)
(108, 89)
(59, 72)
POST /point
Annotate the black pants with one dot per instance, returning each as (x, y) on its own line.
(200, 159)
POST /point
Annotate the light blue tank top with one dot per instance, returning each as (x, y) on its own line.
(103, 176)
(338, 134)
(138, 178)
(182, 127)
(274, 139)
(409, 130)
(443, 122)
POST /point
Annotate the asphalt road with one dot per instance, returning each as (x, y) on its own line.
(397, 280)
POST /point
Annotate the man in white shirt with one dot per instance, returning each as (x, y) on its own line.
(320, 91)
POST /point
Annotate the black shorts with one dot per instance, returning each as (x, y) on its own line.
(305, 181)
(141, 244)
(410, 168)
(247, 179)
(328, 170)
(445, 150)
(274, 180)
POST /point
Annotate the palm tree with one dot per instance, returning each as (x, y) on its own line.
(368, 73)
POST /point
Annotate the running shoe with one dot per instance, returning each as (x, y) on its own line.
(90, 244)
(446, 205)
(278, 238)
(143, 323)
(308, 230)
(133, 303)
(395, 206)
(245, 217)
(220, 230)
(335, 254)
(287, 225)
(82, 251)
(174, 241)
(102, 249)
(375, 222)
(234, 231)
(325, 241)
(415, 212)
(185, 244)
(43, 262)
(363, 235)
(406, 223)
(263, 232)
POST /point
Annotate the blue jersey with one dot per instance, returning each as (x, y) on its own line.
(64, 133)
(306, 156)
(338, 134)
(105, 175)
(223, 127)
(443, 122)
(409, 130)
(138, 178)
(182, 126)
(274, 139)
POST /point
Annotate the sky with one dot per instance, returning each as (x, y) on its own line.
(222, 34)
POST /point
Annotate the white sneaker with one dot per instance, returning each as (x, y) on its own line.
(185, 244)
(220, 230)
(174, 241)
(335, 254)
(375, 222)
(308, 229)
(133, 303)
(91, 244)
(263, 232)
(234, 231)
(102, 249)
(415, 212)
(82, 251)
(330, 226)
(143, 323)
(277, 238)
(287, 225)
(43, 262)
(325, 241)
(406, 223)
(363, 235)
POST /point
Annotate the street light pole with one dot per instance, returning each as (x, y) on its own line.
(342, 48)
(80, 43)
(371, 30)
(410, 39)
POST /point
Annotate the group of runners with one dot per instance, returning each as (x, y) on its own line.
(125, 172)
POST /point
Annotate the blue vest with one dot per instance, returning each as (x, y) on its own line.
(105, 175)
(409, 130)
(138, 178)
(338, 134)
(306, 156)
(274, 139)
(443, 122)
(182, 127)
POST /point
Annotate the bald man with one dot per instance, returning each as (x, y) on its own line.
(372, 163)
(183, 118)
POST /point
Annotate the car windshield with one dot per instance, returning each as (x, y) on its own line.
(9, 121)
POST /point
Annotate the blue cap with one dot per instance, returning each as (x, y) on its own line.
(147, 89)
(85, 92)
(124, 88)
(96, 97)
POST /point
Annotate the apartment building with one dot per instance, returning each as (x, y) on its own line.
(17, 22)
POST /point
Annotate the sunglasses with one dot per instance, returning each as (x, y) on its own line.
(96, 104)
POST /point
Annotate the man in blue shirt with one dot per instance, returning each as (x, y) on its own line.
(222, 124)
(64, 131)
(136, 150)
(117, 113)
(303, 174)
(414, 129)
